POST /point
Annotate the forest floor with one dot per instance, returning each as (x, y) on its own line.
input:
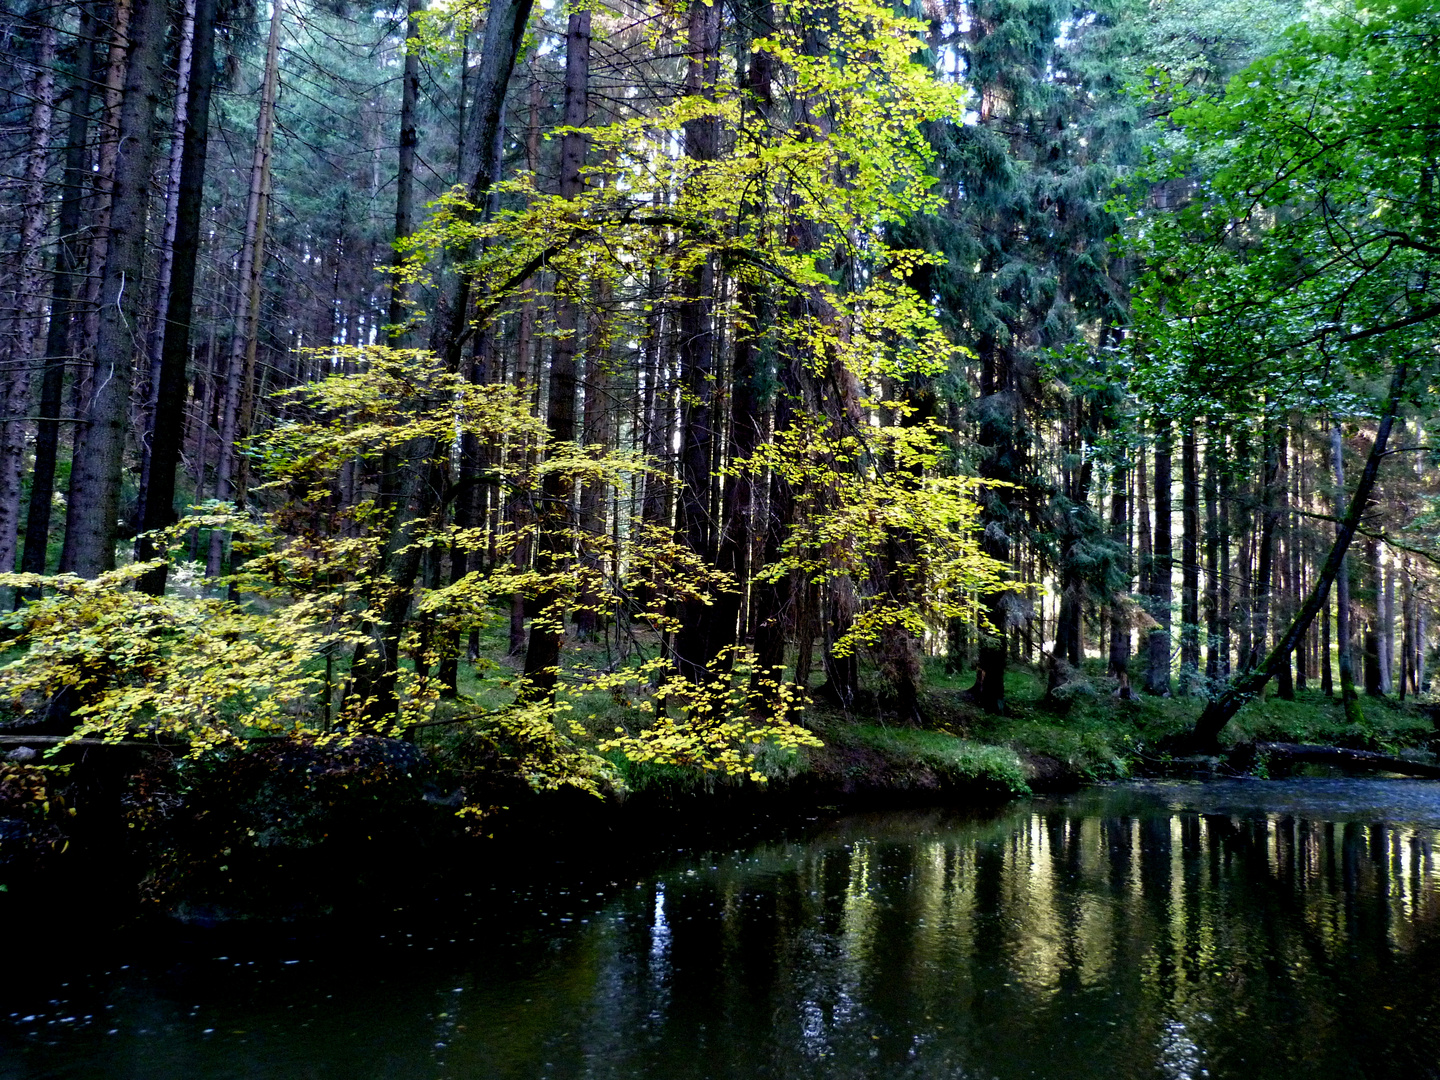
(1059, 744)
(1084, 734)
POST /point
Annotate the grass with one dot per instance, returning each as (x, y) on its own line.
(1103, 737)
(956, 759)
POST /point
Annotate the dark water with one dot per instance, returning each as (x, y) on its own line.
(1259, 930)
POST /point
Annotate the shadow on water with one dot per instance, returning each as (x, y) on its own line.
(1288, 929)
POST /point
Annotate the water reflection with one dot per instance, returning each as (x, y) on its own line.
(1160, 932)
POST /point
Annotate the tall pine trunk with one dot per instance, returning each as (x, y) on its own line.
(158, 492)
(405, 169)
(155, 340)
(695, 641)
(1213, 645)
(92, 524)
(1342, 593)
(1119, 659)
(31, 262)
(68, 263)
(1375, 595)
(1189, 561)
(240, 376)
(1157, 674)
(746, 420)
(547, 629)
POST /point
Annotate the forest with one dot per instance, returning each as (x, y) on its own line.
(603, 394)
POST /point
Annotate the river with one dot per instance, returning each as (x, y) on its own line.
(1286, 929)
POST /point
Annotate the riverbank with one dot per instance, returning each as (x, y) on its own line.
(284, 831)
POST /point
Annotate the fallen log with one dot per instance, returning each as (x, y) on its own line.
(1347, 759)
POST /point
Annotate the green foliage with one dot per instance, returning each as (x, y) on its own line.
(1303, 262)
(856, 490)
(720, 723)
(203, 670)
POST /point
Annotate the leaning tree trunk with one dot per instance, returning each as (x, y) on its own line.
(91, 527)
(158, 493)
(1218, 712)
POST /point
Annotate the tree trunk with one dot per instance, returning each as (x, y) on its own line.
(1212, 561)
(1273, 454)
(596, 427)
(745, 400)
(68, 263)
(469, 498)
(505, 25)
(1189, 561)
(775, 599)
(1348, 696)
(1225, 565)
(1145, 548)
(1420, 656)
(547, 629)
(516, 506)
(1119, 660)
(1075, 483)
(239, 388)
(405, 170)
(695, 644)
(1387, 631)
(1297, 547)
(1327, 669)
(165, 270)
(92, 524)
(103, 178)
(999, 407)
(1375, 594)
(1407, 630)
(158, 495)
(655, 504)
(1157, 675)
(31, 262)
